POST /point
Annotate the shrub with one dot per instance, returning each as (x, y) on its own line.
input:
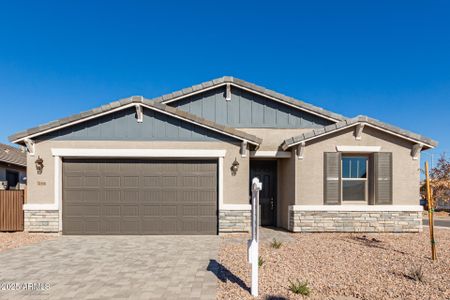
(299, 287)
(260, 261)
(275, 244)
(416, 273)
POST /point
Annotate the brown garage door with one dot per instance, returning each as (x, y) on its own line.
(139, 197)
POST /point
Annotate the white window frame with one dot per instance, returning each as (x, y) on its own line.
(366, 179)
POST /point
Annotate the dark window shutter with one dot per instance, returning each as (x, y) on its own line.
(332, 178)
(371, 180)
(383, 177)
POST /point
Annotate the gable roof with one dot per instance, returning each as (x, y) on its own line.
(130, 102)
(12, 155)
(253, 88)
(316, 133)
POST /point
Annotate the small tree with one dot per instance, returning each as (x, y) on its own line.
(440, 180)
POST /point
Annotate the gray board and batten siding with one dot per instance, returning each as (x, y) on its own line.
(122, 125)
(247, 110)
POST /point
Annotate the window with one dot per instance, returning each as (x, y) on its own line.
(354, 178)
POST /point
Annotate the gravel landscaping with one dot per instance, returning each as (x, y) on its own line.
(363, 266)
(17, 239)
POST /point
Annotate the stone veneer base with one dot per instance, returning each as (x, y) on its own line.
(234, 220)
(41, 220)
(355, 221)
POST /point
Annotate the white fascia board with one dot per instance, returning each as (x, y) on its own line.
(354, 124)
(254, 92)
(235, 207)
(369, 208)
(276, 154)
(358, 149)
(86, 152)
(36, 206)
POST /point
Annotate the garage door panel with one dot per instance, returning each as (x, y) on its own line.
(206, 181)
(169, 225)
(188, 225)
(139, 197)
(205, 225)
(168, 195)
(110, 225)
(151, 196)
(130, 195)
(168, 210)
(130, 211)
(151, 225)
(112, 181)
(92, 226)
(72, 195)
(130, 226)
(130, 181)
(91, 195)
(74, 181)
(111, 210)
(151, 181)
(82, 209)
(206, 210)
(150, 210)
(75, 225)
(111, 196)
(169, 181)
(92, 181)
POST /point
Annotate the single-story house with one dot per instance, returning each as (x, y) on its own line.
(182, 163)
(13, 168)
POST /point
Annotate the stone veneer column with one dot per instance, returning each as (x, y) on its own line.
(355, 221)
(41, 220)
(234, 220)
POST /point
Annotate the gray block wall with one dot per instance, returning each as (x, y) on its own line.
(41, 220)
(355, 221)
(234, 220)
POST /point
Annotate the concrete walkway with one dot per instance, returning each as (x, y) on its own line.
(266, 235)
(113, 267)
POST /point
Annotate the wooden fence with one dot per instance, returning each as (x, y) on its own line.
(11, 210)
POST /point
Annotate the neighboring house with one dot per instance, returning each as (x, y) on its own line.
(443, 203)
(13, 168)
(182, 163)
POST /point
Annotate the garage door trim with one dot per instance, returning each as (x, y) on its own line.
(60, 153)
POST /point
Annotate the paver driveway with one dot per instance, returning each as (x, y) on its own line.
(105, 267)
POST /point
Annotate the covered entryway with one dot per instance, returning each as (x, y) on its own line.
(137, 196)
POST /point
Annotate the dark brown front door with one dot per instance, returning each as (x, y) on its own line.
(265, 171)
(114, 196)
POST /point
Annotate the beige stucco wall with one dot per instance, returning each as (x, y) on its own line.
(406, 173)
(41, 187)
(286, 189)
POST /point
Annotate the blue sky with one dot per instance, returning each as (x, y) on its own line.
(386, 59)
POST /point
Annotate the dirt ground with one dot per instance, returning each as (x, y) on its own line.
(10, 240)
(363, 266)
